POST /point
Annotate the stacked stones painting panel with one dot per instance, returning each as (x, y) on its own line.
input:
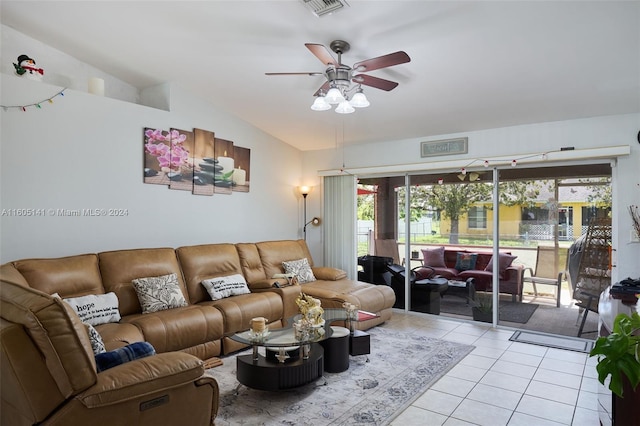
(204, 163)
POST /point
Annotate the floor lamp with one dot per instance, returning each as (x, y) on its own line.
(305, 190)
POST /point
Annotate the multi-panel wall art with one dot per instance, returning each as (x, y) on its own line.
(195, 161)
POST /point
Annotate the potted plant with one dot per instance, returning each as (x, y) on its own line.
(619, 354)
(482, 307)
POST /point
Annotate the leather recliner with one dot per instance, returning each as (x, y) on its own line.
(49, 376)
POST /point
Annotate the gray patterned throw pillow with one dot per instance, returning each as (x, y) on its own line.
(301, 268)
(159, 293)
(96, 340)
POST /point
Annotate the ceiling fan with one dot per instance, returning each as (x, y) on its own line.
(338, 89)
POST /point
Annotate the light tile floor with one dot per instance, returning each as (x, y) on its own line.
(501, 382)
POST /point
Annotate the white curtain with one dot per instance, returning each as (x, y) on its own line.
(340, 221)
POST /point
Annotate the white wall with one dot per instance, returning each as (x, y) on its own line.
(59, 68)
(86, 151)
(517, 141)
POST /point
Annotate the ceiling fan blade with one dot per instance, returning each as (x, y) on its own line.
(382, 62)
(294, 73)
(378, 83)
(324, 89)
(322, 53)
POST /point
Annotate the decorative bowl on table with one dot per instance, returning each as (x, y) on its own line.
(258, 336)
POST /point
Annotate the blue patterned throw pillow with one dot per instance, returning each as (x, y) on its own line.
(466, 261)
(111, 359)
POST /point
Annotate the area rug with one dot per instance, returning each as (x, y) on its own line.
(509, 311)
(374, 390)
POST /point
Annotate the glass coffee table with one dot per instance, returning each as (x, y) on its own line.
(288, 361)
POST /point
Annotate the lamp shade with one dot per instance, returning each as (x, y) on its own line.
(304, 190)
(359, 100)
(320, 104)
(334, 96)
(345, 108)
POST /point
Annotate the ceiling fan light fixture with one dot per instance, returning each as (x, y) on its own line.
(359, 100)
(334, 96)
(345, 108)
(320, 104)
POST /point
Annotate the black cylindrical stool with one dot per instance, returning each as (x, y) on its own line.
(336, 350)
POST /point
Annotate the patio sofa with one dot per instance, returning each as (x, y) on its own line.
(184, 335)
(460, 265)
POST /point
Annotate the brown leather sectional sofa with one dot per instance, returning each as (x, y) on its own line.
(181, 336)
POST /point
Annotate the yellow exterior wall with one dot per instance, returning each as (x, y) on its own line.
(510, 220)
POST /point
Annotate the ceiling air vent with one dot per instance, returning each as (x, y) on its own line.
(324, 7)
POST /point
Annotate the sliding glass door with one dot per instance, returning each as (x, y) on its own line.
(451, 224)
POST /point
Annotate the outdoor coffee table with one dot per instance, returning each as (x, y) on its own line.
(465, 289)
(296, 363)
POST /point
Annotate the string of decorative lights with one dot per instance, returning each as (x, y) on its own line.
(35, 104)
(473, 176)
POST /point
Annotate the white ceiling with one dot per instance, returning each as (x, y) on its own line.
(474, 65)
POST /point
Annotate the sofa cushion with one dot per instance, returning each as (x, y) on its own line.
(205, 261)
(466, 261)
(251, 264)
(118, 334)
(119, 268)
(58, 333)
(273, 253)
(107, 360)
(159, 293)
(301, 268)
(368, 297)
(221, 287)
(433, 257)
(330, 274)
(96, 309)
(180, 328)
(504, 261)
(481, 279)
(429, 272)
(237, 311)
(69, 276)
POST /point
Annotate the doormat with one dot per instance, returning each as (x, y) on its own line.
(560, 342)
(509, 311)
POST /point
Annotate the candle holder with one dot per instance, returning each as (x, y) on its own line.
(352, 316)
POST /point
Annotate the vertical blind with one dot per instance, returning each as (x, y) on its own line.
(340, 250)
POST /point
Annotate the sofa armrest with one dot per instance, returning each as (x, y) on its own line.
(142, 376)
(289, 294)
(265, 283)
(513, 273)
(328, 274)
